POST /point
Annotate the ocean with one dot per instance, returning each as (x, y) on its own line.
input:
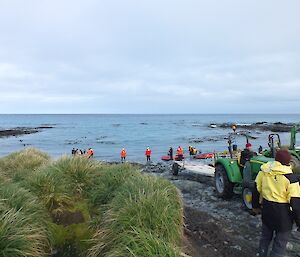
(108, 134)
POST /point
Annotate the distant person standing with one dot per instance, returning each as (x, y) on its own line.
(123, 155)
(194, 151)
(190, 150)
(90, 153)
(148, 154)
(171, 153)
(180, 153)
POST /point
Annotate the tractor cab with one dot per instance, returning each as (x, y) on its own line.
(275, 144)
(295, 150)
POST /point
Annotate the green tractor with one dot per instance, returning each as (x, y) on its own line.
(293, 150)
(233, 177)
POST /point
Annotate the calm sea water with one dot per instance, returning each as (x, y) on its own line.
(107, 134)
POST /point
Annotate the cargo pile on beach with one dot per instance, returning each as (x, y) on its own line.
(75, 206)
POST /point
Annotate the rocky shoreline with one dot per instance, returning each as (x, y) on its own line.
(20, 131)
(213, 226)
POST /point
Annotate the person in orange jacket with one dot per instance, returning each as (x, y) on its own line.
(179, 153)
(148, 154)
(90, 153)
(123, 155)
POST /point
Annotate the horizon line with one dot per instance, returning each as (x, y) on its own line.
(149, 113)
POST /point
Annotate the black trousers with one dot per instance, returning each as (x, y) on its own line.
(148, 158)
(280, 240)
(123, 159)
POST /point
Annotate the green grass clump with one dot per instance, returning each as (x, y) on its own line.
(79, 206)
(23, 223)
(20, 236)
(77, 173)
(28, 159)
(106, 182)
(143, 206)
(139, 243)
(49, 188)
(20, 199)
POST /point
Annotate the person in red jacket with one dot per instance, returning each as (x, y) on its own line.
(90, 153)
(123, 155)
(179, 153)
(148, 154)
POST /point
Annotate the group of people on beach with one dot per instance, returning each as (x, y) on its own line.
(90, 153)
(148, 154)
(77, 152)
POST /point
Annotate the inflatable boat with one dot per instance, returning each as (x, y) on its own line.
(167, 158)
(204, 156)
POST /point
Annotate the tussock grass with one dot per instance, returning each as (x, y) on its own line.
(49, 189)
(23, 223)
(15, 197)
(20, 235)
(107, 181)
(28, 159)
(123, 212)
(138, 242)
(144, 206)
(76, 172)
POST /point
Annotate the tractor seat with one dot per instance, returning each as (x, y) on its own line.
(239, 160)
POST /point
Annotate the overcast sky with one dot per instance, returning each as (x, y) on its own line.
(149, 56)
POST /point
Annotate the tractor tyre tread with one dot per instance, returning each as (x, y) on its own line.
(228, 186)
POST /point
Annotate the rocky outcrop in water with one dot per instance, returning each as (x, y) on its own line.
(19, 131)
(262, 126)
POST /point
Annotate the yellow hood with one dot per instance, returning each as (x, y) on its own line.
(275, 168)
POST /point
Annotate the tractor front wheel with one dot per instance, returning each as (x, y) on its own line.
(223, 186)
(247, 197)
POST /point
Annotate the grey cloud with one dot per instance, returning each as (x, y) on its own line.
(146, 56)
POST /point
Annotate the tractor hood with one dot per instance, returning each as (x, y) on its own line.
(274, 168)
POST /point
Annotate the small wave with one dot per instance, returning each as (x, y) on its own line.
(244, 124)
(73, 142)
(105, 142)
(207, 139)
(101, 137)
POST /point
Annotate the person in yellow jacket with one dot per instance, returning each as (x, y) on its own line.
(277, 194)
(194, 151)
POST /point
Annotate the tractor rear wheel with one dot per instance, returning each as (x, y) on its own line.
(295, 163)
(223, 186)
